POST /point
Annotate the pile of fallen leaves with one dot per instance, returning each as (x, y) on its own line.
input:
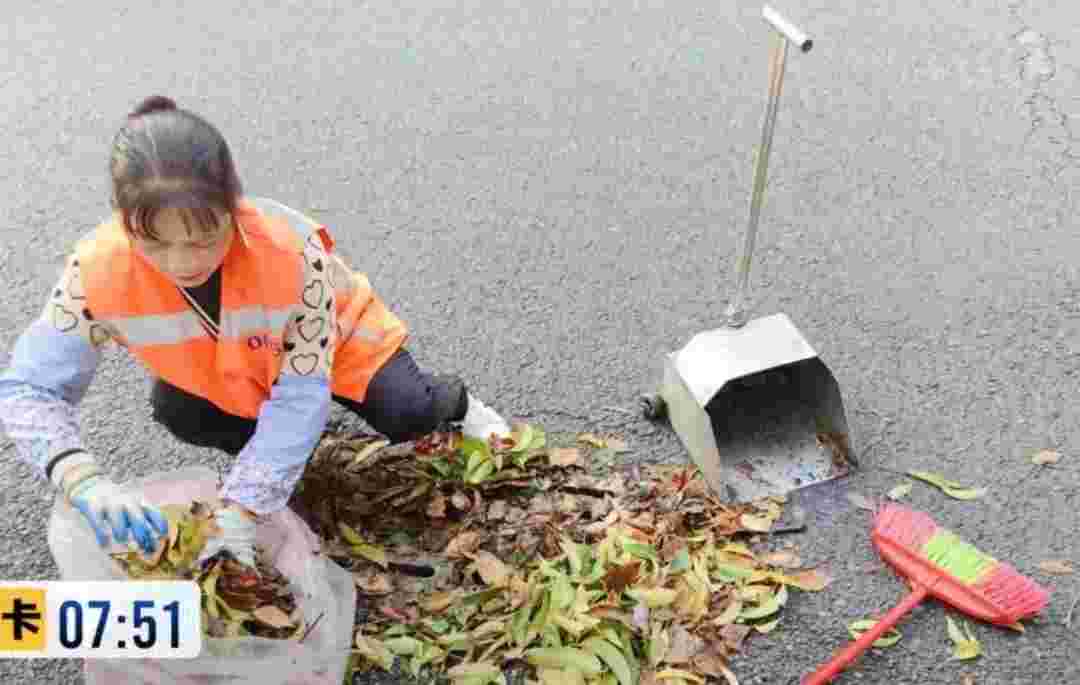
(471, 558)
(236, 600)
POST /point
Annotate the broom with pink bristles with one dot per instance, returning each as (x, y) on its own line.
(939, 564)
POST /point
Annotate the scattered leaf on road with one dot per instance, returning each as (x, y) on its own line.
(965, 646)
(949, 487)
(1044, 457)
(900, 491)
(860, 501)
(1057, 568)
(857, 628)
(781, 559)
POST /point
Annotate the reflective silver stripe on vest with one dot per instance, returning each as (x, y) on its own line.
(303, 225)
(159, 329)
(241, 323)
(171, 329)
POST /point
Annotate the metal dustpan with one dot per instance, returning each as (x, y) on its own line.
(754, 405)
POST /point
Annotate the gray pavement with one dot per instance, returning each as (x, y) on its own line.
(551, 195)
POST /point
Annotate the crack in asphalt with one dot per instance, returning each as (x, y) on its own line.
(1036, 68)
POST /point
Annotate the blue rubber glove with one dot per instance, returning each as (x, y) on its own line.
(237, 535)
(110, 508)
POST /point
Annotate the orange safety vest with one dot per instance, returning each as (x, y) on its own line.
(261, 284)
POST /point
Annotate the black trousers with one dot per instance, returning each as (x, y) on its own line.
(402, 402)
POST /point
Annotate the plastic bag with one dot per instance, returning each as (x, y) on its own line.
(322, 588)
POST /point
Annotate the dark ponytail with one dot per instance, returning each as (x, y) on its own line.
(154, 103)
(170, 158)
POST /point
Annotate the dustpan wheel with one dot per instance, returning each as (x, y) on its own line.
(653, 407)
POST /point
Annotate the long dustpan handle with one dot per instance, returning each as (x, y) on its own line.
(736, 313)
(844, 658)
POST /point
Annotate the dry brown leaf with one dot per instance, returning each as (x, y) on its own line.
(373, 583)
(812, 580)
(463, 545)
(711, 661)
(622, 577)
(1043, 457)
(601, 526)
(600, 508)
(684, 646)
(437, 602)
(758, 524)
(1057, 568)
(568, 504)
(520, 589)
(733, 635)
(497, 510)
(271, 616)
(494, 572)
(461, 501)
(563, 456)
(967, 679)
(645, 520)
(782, 559)
(436, 508)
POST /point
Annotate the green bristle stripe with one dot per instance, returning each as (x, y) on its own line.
(963, 561)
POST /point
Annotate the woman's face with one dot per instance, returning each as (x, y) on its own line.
(183, 251)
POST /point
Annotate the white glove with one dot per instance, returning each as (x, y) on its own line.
(237, 535)
(481, 421)
(109, 507)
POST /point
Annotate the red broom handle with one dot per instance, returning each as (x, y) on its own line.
(843, 659)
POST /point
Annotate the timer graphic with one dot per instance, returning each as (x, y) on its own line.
(102, 619)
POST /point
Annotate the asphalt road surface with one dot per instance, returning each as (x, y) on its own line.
(551, 195)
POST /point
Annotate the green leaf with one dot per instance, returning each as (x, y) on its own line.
(396, 630)
(540, 620)
(681, 562)
(481, 596)
(730, 572)
(573, 556)
(475, 673)
(641, 551)
(481, 473)
(766, 608)
(965, 644)
(439, 626)
(653, 597)
(564, 657)
(525, 440)
(403, 646)
(857, 628)
(442, 466)
(350, 535)
(612, 657)
(949, 487)
(519, 626)
(562, 593)
(375, 651)
(372, 553)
